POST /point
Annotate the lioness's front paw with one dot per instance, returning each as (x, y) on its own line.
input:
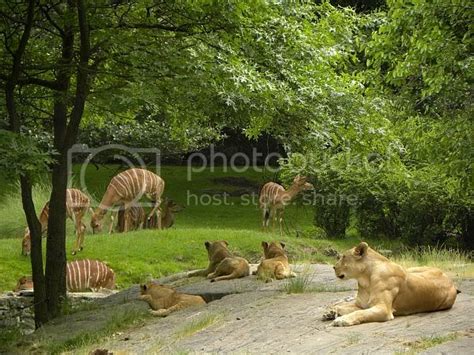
(341, 322)
(330, 314)
(159, 313)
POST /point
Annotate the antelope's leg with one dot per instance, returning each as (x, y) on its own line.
(113, 217)
(126, 214)
(264, 222)
(156, 210)
(77, 228)
(80, 229)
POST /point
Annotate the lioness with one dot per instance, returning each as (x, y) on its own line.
(164, 299)
(24, 283)
(387, 289)
(222, 264)
(275, 264)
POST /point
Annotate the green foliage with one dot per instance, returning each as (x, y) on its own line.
(13, 221)
(20, 155)
(423, 53)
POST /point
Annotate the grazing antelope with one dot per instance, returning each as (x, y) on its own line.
(126, 188)
(273, 199)
(168, 210)
(137, 216)
(77, 203)
(81, 276)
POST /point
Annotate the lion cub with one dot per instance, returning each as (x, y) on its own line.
(222, 264)
(387, 289)
(275, 264)
(164, 299)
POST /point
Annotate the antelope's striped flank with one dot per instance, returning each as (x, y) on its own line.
(127, 188)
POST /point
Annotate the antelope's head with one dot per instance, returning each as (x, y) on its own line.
(95, 224)
(302, 183)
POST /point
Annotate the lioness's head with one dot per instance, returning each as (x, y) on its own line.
(353, 262)
(155, 291)
(213, 247)
(24, 283)
(273, 249)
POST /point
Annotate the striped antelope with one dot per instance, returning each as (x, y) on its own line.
(77, 203)
(125, 189)
(137, 216)
(81, 276)
(273, 199)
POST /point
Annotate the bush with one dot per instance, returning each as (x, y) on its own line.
(334, 219)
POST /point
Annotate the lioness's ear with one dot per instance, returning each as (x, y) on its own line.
(361, 249)
(226, 242)
(282, 245)
(207, 244)
(264, 245)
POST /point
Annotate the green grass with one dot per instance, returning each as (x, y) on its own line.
(197, 325)
(454, 262)
(424, 343)
(299, 284)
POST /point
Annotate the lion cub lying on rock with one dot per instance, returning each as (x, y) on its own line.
(164, 299)
(275, 264)
(222, 264)
(387, 289)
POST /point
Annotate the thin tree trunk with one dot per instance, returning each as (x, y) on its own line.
(65, 137)
(40, 306)
(56, 242)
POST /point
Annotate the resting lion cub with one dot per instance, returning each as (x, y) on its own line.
(387, 289)
(222, 264)
(275, 264)
(164, 299)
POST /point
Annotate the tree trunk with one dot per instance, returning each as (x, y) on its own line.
(56, 243)
(40, 306)
(65, 135)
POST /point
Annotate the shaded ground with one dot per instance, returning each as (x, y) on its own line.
(248, 315)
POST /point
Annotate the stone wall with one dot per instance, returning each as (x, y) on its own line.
(16, 309)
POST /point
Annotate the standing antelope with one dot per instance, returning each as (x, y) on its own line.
(77, 203)
(273, 199)
(125, 189)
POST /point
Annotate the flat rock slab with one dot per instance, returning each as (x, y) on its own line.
(250, 316)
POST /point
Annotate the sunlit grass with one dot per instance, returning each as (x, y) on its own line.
(197, 325)
(456, 263)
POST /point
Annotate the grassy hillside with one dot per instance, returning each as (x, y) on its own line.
(140, 255)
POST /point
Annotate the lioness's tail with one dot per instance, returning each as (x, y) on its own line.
(458, 291)
(231, 276)
(201, 272)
